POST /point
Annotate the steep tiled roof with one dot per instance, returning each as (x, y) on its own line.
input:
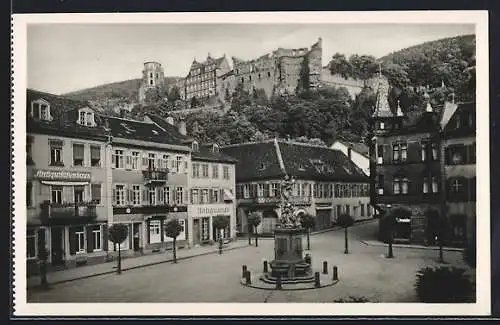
(137, 130)
(300, 160)
(57, 103)
(318, 163)
(251, 157)
(64, 117)
(172, 131)
(206, 153)
(360, 148)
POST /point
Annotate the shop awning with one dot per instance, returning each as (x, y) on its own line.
(228, 196)
(62, 183)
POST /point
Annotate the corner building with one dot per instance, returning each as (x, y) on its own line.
(212, 193)
(66, 185)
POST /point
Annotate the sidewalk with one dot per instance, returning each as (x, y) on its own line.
(84, 272)
(380, 244)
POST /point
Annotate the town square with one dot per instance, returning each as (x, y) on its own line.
(292, 165)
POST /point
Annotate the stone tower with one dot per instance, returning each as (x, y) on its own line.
(152, 78)
(315, 64)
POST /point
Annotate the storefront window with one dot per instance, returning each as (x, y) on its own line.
(204, 229)
(154, 231)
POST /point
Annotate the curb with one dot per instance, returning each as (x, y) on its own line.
(448, 249)
(134, 267)
(283, 288)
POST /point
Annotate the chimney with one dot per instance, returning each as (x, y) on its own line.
(181, 126)
(170, 120)
(349, 153)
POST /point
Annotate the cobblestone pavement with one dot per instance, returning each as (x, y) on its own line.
(216, 278)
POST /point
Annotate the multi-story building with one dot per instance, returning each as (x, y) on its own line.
(150, 171)
(458, 125)
(405, 167)
(66, 184)
(203, 78)
(358, 153)
(212, 188)
(327, 183)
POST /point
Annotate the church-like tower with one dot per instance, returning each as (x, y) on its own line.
(152, 77)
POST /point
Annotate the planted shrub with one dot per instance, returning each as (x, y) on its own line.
(444, 285)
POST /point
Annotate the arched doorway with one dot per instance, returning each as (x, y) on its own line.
(269, 220)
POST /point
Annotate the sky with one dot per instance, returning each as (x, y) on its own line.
(68, 57)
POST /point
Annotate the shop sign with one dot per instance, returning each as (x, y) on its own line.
(403, 220)
(214, 211)
(62, 175)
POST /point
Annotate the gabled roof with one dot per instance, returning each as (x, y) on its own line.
(360, 148)
(170, 129)
(138, 130)
(57, 103)
(251, 156)
(205, 153)
(260, 160)
(448, 111)
(64, 116)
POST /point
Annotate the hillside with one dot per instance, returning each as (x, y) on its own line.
(439, 68)
(127, 90)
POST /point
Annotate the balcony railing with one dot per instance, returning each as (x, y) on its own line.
(155, 175)
(69, 210)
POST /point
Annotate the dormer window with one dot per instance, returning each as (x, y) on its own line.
(381, 125)
(262, 166)
(86, 117)
(40, 110)
(215, 148)
(195, 147)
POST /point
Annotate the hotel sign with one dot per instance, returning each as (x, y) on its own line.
(60, 175)
(213, 211)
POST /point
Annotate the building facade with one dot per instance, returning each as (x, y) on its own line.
(203, 78)
(405, 168)
(327, 183)
(458, 124)
(150, 170)
(66, 181)
(212, 189)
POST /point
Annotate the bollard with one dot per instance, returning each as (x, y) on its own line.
(278, 282)
(265, 266)
(248, 277)
(335, 274)
(243, 270)
(325, 267)
(316, 279)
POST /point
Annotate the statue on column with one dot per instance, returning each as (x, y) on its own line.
(288, 218)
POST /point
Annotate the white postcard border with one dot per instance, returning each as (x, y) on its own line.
(481, 307)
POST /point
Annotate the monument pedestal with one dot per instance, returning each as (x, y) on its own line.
(288, 263)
